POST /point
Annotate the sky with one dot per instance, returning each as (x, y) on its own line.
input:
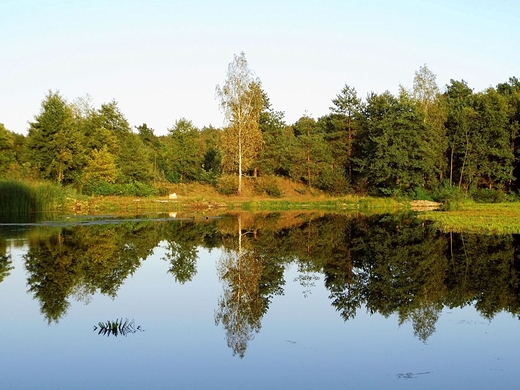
(162, 60)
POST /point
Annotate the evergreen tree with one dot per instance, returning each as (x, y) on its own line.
(55, 144)
(7, 151)
(184, 155)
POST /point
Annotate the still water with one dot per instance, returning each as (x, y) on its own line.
(257, 301)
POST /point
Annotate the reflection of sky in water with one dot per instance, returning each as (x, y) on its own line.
(303, 342)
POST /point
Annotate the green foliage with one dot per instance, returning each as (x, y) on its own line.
(333, 182)
(7, 151)
(184, 153)
(134, 161)
(227, 184)
(311, 156)
(55, 143)
(51, 196)
(242, 100)
(420, 194)
(267, 185)
(127, 189)
(396, 147)
(101, 166)
(448, 194)
(17, 198)
(421, 143)
(487, 195)
(275, 157)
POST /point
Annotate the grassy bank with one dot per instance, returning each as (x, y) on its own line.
(22, 198)
(492, 218)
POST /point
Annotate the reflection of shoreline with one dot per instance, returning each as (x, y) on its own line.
(390, 264)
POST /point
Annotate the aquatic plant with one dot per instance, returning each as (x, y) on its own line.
(119, 327)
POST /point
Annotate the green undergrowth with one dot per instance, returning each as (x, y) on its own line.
(491, 218)
(335, 204)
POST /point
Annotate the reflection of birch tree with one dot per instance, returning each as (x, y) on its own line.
(241, 307)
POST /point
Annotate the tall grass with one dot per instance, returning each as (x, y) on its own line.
(17, 198)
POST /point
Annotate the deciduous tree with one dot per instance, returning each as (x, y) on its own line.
(241, 101)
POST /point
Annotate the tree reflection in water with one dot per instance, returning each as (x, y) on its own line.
(241, 307)
(6, 263)
(387, 264)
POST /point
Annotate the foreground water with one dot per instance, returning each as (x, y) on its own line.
(293, 301)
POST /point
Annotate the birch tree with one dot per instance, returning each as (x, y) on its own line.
(241, 101)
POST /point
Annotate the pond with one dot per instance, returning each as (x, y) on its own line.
(256, 301)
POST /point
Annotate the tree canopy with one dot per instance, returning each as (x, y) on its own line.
(423, 142)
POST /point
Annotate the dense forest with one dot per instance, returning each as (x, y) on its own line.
(423, 142)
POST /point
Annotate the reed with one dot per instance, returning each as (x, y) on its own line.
(19, 198)
(119, 327)
(16, 198)
(49, 197)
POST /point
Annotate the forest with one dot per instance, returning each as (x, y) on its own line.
(426, 142)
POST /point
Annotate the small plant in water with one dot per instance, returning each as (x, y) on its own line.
(117, 327)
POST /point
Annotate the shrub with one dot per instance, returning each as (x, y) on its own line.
(487, 195)
(128, 189)
(446, 194)
(333, 182)
(420, 193)
(267, 185)
(227, 184)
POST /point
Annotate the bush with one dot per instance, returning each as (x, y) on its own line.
(333, 182)
(486, 195)
(420, 193)
(113, 189)
(446, 194)
(227, 184)
(208, 177)
(267, 185)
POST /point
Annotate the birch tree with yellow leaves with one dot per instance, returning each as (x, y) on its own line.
(241, 100)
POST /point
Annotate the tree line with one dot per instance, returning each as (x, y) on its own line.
(419, 142)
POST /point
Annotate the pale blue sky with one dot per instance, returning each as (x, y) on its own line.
(161, 60)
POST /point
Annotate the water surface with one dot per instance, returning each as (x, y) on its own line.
(259, 301)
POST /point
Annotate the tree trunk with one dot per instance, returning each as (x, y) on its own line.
(239, 164)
